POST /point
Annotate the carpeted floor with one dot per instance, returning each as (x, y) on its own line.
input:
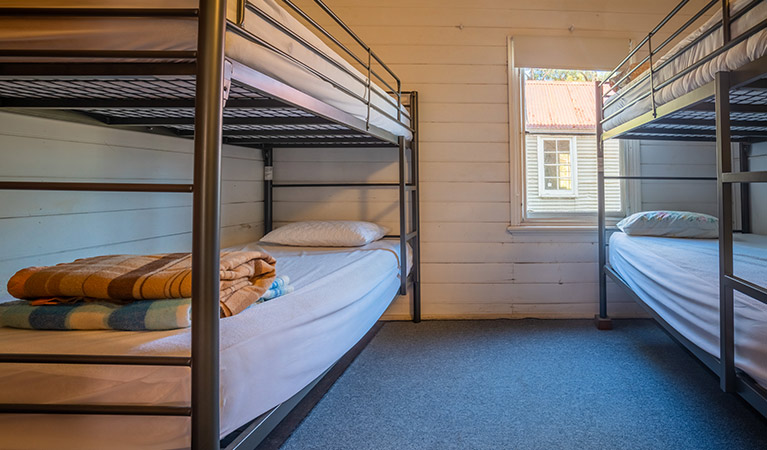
(527, 384)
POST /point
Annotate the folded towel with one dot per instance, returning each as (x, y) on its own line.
(142, 315)
(245, 277)
(278, 288)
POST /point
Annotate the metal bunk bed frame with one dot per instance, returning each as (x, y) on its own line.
(260, 112)
(704, 114)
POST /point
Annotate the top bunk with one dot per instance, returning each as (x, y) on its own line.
(132, 63)
(657, 93)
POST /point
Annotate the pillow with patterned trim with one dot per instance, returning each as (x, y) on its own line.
(680, 224)
(337, 233)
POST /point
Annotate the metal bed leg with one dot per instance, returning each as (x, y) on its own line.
(416, 205)
(724, 165)
(206, 225)
(268, 189)
(602, 320)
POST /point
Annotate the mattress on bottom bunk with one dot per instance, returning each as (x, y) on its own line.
(77, 33)
(679, 279)
(269, 352)
(751, 49)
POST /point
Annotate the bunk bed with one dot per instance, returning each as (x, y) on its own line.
(255, 73)
(710, 86)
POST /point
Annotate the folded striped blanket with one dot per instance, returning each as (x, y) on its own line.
(142, 315)
(89, 314)
(245, 277)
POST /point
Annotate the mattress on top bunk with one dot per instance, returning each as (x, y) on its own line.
(750, 50)
(679, 279)
(269, 352)
(180, 34)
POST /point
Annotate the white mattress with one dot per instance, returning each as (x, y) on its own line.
(751, 49)
(679, 279)
(268, 353)
(180, 34)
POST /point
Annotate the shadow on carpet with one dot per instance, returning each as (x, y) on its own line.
(527, 384)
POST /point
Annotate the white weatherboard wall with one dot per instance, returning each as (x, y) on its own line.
(679, 159)
(454, 54)
(42, 228)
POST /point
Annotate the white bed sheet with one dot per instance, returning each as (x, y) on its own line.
(751, 49)
(679, 279)
(83, 33)
(268, 353)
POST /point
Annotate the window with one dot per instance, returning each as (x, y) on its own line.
(554, 149)
(557, 169)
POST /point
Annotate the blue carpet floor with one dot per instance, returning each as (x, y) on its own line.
(527, 384)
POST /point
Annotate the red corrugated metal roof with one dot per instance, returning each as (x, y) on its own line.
(560, 105)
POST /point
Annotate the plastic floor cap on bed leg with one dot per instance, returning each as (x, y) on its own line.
(603, 323)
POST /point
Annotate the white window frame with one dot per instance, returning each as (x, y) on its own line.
(518, 172)
(558, 193)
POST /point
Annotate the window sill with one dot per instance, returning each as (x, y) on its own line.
(513, 229)
(568, 229)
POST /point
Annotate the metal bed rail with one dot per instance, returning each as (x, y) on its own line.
(609, 85)
(365, 80)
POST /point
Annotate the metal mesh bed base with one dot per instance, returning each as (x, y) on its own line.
(250, 117)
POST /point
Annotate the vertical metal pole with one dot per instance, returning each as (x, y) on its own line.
(602, 319)
(402, 216)
(416, 206)
(268, 189)
(744, 151)
(724, 165)
(726, 29)
(652, 78)
(206, 224)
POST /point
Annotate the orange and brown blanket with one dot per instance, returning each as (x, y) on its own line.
(245, 277)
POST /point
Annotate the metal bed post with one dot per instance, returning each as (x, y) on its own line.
(268, 189)
(724, 193)
(603, 321)
(402, 215)
(416, 209)
(206, 223)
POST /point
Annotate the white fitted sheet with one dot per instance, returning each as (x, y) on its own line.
(268, 353)
(180, 34)
(751, 49)
(679, 279)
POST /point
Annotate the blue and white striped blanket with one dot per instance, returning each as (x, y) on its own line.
(142, 315)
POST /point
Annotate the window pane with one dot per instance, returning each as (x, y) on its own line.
(551, 183)
(549, 145)
(564, 158)
(564, 171)
(550, 171)
(550, 158)
(563, 145)
(565, 184)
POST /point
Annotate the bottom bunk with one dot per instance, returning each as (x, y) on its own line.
(268, 353)
(678, 280)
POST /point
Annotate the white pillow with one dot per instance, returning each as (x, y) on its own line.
(338, 233)
(682, 224)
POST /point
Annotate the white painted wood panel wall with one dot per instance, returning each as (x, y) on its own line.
(679, 159)
(454, 53)
(42, 228)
